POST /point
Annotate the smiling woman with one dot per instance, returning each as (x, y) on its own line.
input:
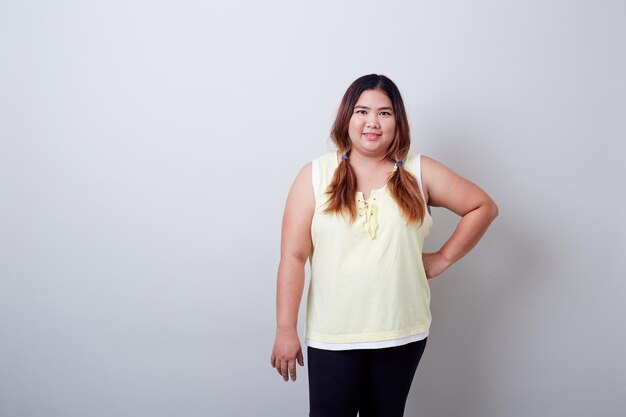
(372, 125)
(360, 215)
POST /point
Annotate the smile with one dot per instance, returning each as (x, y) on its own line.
(371, 136)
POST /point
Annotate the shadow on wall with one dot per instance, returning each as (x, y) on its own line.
(470, 361)
(471, 345)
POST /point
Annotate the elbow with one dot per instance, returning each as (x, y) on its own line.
(294, 257)
(492, 209)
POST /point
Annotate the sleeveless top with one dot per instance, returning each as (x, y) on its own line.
(368, 287)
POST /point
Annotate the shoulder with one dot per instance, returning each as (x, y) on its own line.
(433, 172)
(328, 159)
(301, 200)
(413, 159)
(416, 160)
(431, 167)
(304, 175)
(322, 162)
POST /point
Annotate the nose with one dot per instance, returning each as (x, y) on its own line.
(372, 120)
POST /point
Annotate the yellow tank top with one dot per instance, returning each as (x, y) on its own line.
(367, 278)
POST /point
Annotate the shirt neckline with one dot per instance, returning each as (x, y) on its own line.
(373, 191)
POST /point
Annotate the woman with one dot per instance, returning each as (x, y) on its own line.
(361, 216)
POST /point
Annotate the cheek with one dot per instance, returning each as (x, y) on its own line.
(355, 125)
(391, 128)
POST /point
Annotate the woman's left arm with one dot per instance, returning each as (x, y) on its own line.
(445, 188)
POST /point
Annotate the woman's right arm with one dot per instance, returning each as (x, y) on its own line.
(295, 249)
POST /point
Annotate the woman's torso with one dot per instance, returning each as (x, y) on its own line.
(368, 283)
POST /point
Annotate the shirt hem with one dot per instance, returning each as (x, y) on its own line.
(368, 337)
(367, 345)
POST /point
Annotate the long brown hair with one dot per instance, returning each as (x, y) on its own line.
(402, 184)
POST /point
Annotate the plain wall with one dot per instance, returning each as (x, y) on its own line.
(147, 148)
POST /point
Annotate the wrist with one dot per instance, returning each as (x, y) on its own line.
(286, 329)
(445, 258)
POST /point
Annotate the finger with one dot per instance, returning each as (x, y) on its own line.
(273, 360)
(300, 358)
(292, 369)
(284, 370)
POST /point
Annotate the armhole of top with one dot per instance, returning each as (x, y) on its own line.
(315, 176)
(418, 173)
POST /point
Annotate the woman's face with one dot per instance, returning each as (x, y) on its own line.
(372, 126)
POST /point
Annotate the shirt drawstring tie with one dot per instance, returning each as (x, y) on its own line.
(372, 219)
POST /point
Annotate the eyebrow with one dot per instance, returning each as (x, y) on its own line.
(367, 108)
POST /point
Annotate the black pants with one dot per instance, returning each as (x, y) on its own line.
(372, 382)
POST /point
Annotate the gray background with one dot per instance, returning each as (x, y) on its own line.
(147, 148)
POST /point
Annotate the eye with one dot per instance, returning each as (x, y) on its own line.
(360, 111)
(385, 113)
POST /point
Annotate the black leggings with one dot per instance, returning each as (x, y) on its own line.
(372, 382)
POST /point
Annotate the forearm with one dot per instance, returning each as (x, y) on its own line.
(290, 285)
(468, 232)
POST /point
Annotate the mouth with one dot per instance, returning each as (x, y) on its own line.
(372, 136)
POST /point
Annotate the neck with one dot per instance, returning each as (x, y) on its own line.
(369, 161)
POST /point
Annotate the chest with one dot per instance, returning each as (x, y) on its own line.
(369, 181)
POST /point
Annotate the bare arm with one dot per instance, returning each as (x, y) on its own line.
(447, 189)
(295, 249)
